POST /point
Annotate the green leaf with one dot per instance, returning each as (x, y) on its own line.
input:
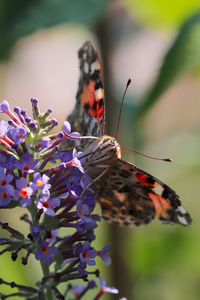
(19, 18)
(182, 57)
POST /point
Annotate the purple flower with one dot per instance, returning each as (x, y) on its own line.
(3, 129)
(92, 284)
(47, 204)
(26, 164)
(74, 191)
(102, 253)
(54, 234)
(87, 254)
(107, 289)
(77, 290)
(6, 192)
(91, 236)
(46, 252)
(40, 182)
(6, 189)
(35, 231)
(67, 130)
(71, 159)
(82, 268)
(80, 226)
(7, 162)
(89, 200)
(45, 142)
(17, 134)
(4, 107)
(83, 210)
(77, 249)
(24, 192)
(85, 181)
(5, 178)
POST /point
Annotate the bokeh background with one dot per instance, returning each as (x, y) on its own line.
(157, 43)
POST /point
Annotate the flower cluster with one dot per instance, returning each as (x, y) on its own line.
(52, 186)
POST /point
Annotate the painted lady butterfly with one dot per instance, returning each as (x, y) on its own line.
(127, 194)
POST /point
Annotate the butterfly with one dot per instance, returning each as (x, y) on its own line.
(127, 194)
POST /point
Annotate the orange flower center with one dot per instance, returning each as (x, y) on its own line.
(26, 168)
(24, 193)
(46, 204)
(85, 254)
(4, 195)
(3, 182)
(44, 250)
(39, 183)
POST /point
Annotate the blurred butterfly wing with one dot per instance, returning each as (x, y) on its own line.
(89, 113)
(131, 196)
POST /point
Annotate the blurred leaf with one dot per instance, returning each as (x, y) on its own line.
(183, 56)
(153, 252)
(19, 18)
(162, 13)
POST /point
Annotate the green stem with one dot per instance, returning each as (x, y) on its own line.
(45, 270)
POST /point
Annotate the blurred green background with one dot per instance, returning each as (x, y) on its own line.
(157, 43)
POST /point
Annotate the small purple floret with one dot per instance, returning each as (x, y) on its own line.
(46, 252)
(26, 164)
(4, 107)
(88, 254)
(17, 134)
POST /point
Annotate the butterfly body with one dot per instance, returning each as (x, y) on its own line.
(127, 194)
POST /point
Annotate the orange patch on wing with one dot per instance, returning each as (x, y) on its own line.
(120, 196)
(161, 205)
(88, 94)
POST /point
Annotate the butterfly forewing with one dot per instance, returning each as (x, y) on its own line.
(88, 115)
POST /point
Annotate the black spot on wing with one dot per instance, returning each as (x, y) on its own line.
(150, 180)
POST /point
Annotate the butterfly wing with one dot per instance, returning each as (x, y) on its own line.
(131, 196)
(88, 115)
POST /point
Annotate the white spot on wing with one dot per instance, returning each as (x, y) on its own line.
(158, 189)
(86, 67)
(93, 67)
(99, 93)
(84, 56)
(182, 220)
(182, 210)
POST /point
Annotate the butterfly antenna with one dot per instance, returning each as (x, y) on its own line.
(157, 158)
(122, 102)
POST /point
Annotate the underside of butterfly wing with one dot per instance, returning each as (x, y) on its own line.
(131, 196)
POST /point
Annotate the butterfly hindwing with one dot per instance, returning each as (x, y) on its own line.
(131, 196)
(88, 114)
